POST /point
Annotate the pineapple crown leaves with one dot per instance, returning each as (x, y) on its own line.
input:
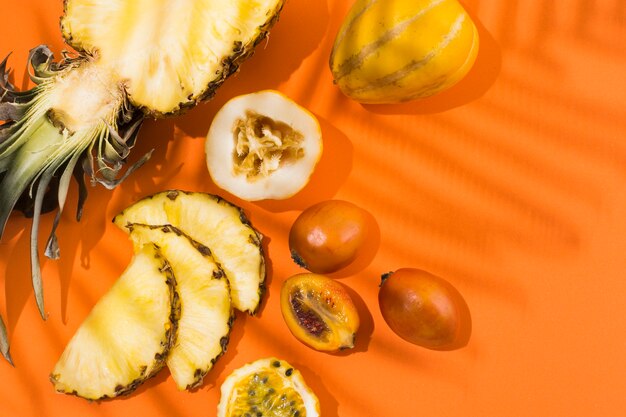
(4, 342)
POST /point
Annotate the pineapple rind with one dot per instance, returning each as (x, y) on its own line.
(126, 337)
(217, 224)
(206, 310)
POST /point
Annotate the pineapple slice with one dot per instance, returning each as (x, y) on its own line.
(217, 224)
(128, 334)
(206, 313)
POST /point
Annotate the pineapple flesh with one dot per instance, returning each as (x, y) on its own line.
(126, 337)
(180, 44)
(206, 312)
(216, 224)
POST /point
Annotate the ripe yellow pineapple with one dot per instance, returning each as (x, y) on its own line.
(127, 336)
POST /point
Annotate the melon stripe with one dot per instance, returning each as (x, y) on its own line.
(356, 60)
(347, 27)
(414, 65)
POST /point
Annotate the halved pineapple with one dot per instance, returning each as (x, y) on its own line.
(126, 337)
(133, 58)
(172, 53)
(217, 224)
(206, 312)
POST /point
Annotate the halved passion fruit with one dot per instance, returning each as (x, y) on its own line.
(319, 312)
(263, 146)
(267, 387)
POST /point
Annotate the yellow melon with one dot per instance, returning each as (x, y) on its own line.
(389, 51)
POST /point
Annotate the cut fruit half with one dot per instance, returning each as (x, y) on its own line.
(170, 54)
(216, 224)
(263, 146)
(126, 337)
(267, 387)
(319, 312)
(206, 312)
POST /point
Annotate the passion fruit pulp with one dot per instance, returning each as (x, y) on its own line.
(267, 387)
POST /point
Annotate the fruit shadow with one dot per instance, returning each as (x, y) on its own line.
(17, 279)
(330, 173)
(329, 406)
(71, 235)
(474, 85)
(155, 137)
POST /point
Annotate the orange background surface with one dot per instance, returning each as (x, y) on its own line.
(510, 186)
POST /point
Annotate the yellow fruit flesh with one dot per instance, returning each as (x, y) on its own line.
(217, 224)
(168, 51)
(125, 338)
(265, 392)
(206, 311)
(85, 98)
(396, 50)
(233, 244)
(267, 387)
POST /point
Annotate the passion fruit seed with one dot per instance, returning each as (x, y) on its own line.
(267, 387)
(261, 395)
(263, 144)
(308, 318)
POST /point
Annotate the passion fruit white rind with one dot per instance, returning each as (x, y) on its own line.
(263, 145)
